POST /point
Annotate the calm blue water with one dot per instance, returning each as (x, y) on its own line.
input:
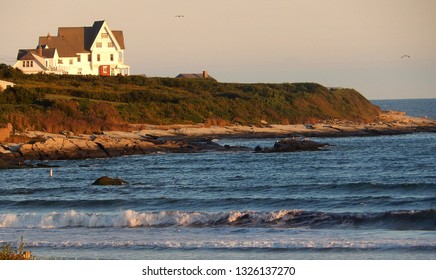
(413, 107)
(363, 198)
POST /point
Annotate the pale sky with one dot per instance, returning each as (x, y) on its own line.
(343, 43)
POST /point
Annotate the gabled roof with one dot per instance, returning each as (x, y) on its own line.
(73, 40)
(24, 55)
(92, 32)
(48, 53)
(119, 37)
(193, 76)
(33, 56)
(98, 25)
(29, 54)
(66, 48)
(190, 76)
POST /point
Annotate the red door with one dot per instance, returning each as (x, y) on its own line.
(105, 70)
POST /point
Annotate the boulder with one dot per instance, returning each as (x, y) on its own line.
(30, 152)
(108, 181)
(4, 150)
(110, 146)
(87, 149)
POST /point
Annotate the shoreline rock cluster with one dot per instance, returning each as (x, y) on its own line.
(197, 138)
(66, 148)
(293, 144)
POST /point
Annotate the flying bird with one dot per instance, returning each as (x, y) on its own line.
(406, 56)
(179, 16)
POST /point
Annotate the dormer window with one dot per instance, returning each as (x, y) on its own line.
(98, 45)
(104, 35)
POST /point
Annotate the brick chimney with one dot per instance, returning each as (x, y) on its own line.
(40, 50)
(205, 74)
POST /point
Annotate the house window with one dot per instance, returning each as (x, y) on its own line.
(24, 64)
(60, 61)
(31, 63)
(89, 57)
(71, 61)
(110, 45)
(79, 58)
(104, 35)
(79, 71)
(98, 57)
(98, 45)
(112, 57)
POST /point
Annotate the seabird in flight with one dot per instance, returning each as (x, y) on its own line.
(406, 56)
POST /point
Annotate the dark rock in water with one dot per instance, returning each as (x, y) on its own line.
(44, 165)
(12, 163)
(292, 145)
(258, 149)
(10, 160)
(107, 181)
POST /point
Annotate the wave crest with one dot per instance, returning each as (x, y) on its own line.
(400, 220)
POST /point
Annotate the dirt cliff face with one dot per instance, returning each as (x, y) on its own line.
(5, 132)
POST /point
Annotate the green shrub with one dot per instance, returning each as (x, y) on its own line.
(8, 253)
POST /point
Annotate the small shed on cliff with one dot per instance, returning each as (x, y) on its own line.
(204, 75)
(5, 84)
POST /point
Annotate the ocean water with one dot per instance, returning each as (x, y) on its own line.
(363, 198)
(425, 107)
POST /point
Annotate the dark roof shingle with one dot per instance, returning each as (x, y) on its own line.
(73, 40)
(194, 76)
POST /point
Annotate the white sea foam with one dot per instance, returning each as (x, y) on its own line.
(224, 242)
(128, 218)
(131, 218)
(283, 218)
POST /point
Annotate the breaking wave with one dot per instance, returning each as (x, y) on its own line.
(395, 220)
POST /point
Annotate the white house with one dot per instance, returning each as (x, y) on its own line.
(88, 50)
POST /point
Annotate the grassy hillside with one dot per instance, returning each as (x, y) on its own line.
(90, 103)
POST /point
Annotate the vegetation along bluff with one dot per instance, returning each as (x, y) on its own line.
(85, 104)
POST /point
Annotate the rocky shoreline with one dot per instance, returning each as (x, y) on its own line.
(66, 148)
(81, 147)
(197, 138)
